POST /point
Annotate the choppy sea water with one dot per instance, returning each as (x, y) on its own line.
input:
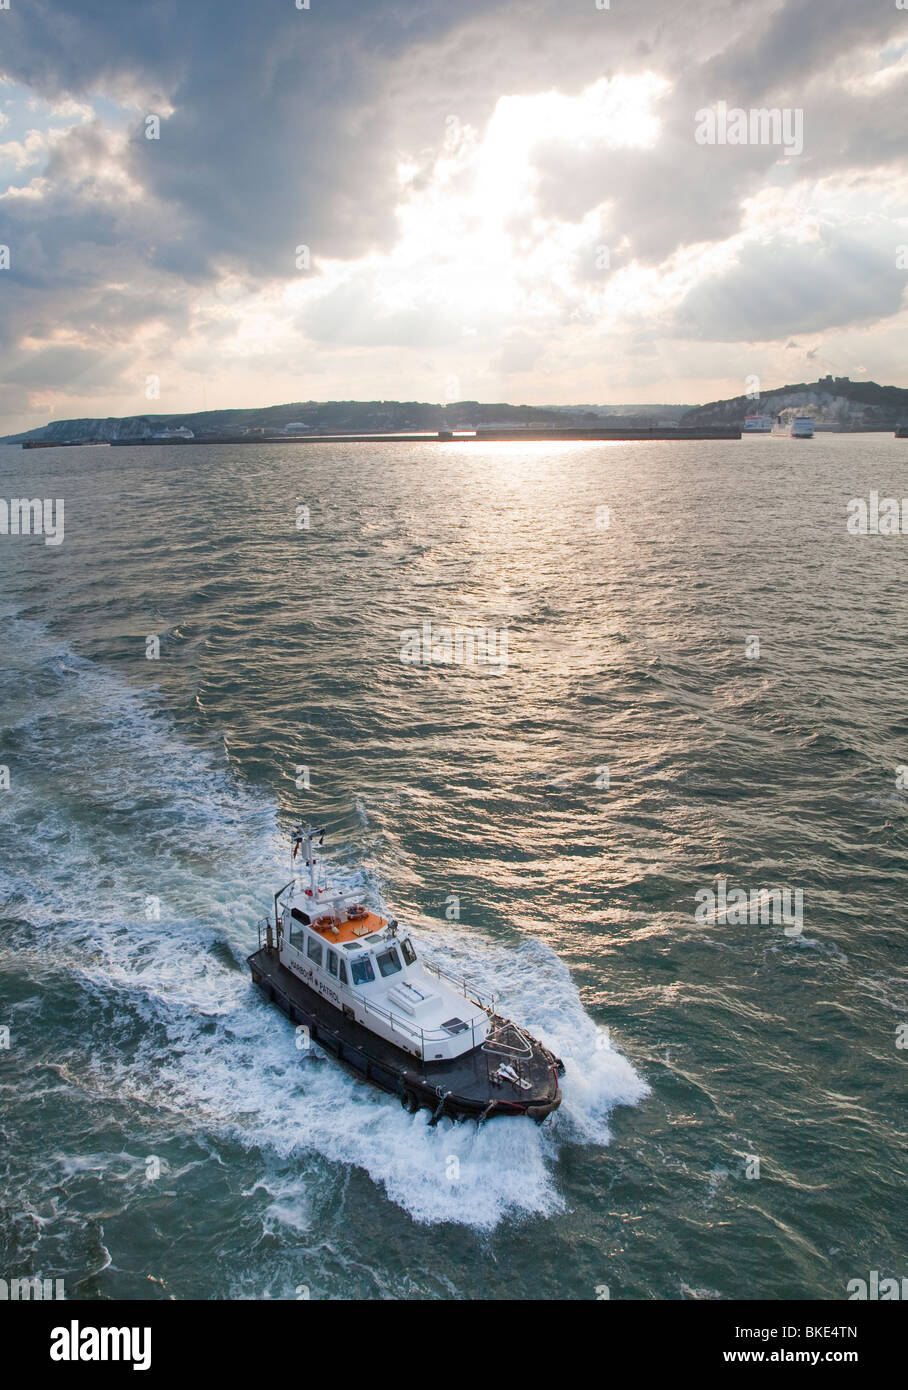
(143, 832)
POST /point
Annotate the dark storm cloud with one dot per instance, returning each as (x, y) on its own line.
(81, 254)
(679, 193)
(272, 141)
(781, 286)
(61, 366)
(795, 41)
(277, 136)
(283, 126)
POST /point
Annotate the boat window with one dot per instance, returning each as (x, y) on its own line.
(299, 916)
(407, 947)
(332, 962)
(296, 936)
(314, 950)
(388, 962)
(363, 974)
(342, 970)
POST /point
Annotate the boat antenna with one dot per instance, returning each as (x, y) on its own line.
(306, 835)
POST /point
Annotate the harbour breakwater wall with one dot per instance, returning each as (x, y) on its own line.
(525, 436)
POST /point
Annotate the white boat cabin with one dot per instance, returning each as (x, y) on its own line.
(368, 967)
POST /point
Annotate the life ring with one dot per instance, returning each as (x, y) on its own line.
(322, 922)
(355, 911)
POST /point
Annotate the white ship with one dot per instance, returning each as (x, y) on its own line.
(357, 981)
(788, 425)
(757, 424)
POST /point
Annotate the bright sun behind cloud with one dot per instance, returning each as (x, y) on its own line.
(472, 245)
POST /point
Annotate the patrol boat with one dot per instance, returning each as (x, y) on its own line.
(358, 983)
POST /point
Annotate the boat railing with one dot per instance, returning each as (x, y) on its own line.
(279, 895)
(269, 936)
(509, 1041)
(420, 1035)
(462, 985)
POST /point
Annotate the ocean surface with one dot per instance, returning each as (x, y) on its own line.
(160, 1134)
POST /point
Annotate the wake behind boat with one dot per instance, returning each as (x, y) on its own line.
(357, 982)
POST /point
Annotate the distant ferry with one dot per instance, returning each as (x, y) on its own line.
(793, 427)
(757, 424)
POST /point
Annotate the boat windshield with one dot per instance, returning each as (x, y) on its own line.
(361, 970)
(388, 962)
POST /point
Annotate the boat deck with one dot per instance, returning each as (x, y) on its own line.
(349, 930)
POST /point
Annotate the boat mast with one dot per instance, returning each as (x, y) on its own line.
(306, 837)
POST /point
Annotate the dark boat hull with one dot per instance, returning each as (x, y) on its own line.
(463, 1089)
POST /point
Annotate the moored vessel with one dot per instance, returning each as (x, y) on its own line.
(356, 980)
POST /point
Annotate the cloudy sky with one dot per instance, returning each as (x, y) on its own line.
(496, 201)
